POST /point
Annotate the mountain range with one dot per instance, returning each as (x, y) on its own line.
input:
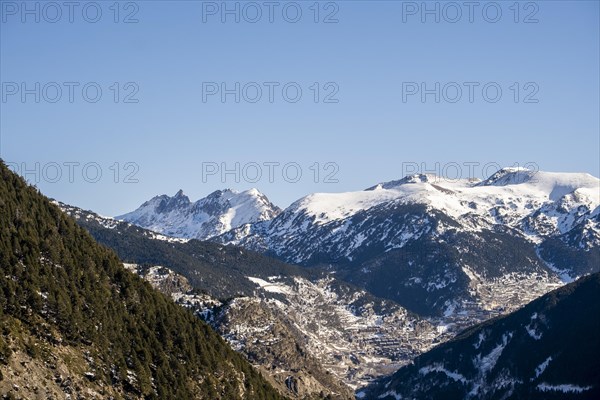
(342, 227)
(436, 246)
(454, 252)
(458, 285)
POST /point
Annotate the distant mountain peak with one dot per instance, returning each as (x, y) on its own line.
(414, 178)
(220, 193)
(509, 176)
(212, 215)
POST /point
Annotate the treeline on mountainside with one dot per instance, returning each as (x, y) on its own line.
(219, 270)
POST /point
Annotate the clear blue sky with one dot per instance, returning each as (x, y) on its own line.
(369, 133)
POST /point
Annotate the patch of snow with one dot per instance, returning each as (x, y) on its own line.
(449, 311)
(390, 393)
(269, 286)
(565, 388)
(439, 368)
(539, 370)
(480, 340)
(486, 363)
(442, 328)
(531, 328)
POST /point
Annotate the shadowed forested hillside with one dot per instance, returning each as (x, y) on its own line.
(74, 321)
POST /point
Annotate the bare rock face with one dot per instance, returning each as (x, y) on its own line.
(163, 279)
(273, 344)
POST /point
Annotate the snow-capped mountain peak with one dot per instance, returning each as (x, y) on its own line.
(516, 190)
(532, 204)
(416, 178)
(212, 215)
(554, 184)
(508, 176)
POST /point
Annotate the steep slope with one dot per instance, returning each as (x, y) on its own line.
(267, 338)
(354, 335)
(431, 244)
(219, 212)
(549, 349)
(76, 324)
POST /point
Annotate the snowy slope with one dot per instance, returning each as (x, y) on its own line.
(535, 204)
(507, 196)
(219, 212)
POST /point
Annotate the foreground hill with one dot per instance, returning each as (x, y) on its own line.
(550, 349)
(76, 324)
